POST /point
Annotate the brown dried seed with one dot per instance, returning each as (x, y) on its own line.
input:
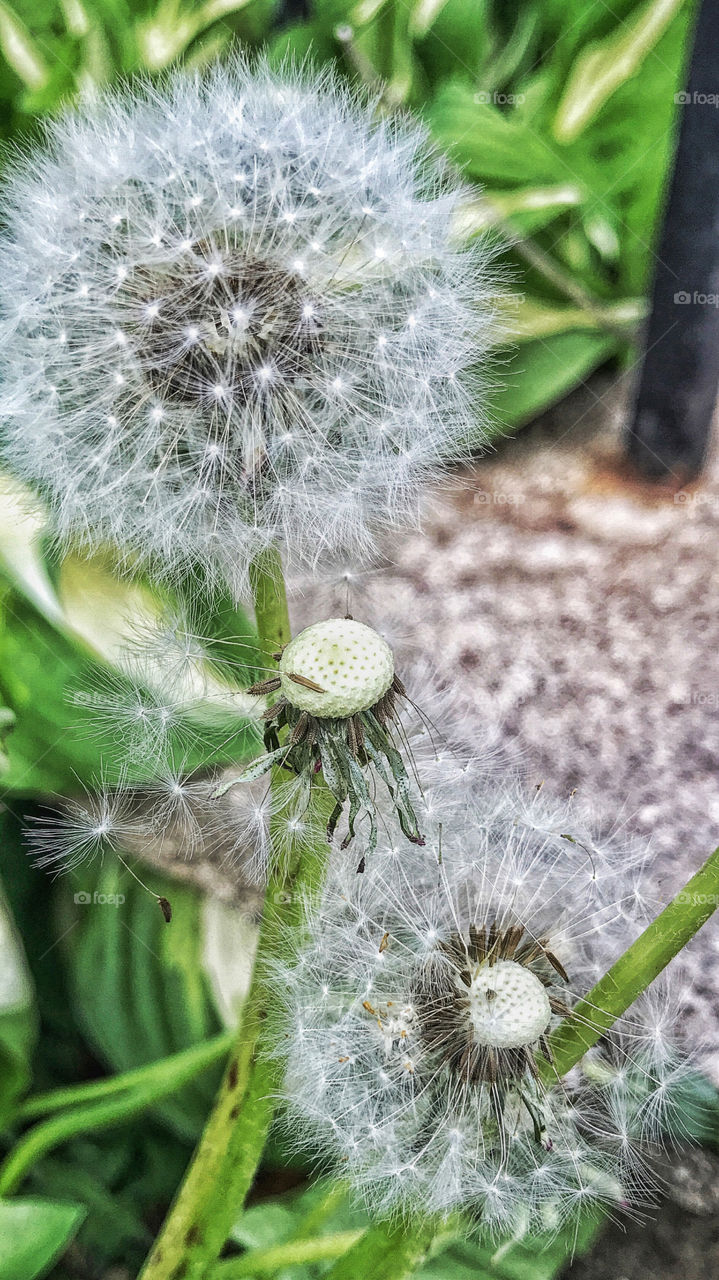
(556, 964)
(306, 684)
(265, 686)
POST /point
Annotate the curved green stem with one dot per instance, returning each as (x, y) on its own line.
(386, 1252)
(635, 970)
(261, 1262)
(104, 1103)
(226, 1160)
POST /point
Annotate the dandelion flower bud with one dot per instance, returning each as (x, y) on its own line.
(233, 313)
(346, 668)
(508, 1005)
(419, 1010)
(338, 703)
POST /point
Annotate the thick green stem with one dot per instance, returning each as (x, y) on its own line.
(104, 1103)
(271, 612)
(635, 970)
(225, 1162)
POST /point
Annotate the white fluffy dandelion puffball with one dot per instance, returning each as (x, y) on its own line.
(352, 665)
(233, 312)
(420, 1005)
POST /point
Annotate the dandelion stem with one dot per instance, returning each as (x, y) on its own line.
(271, 612)
(261, 1262)
(386, 1252)
(635, 970)
(228, 1154)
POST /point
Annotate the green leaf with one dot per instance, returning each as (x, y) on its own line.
(21, 50)
(424, 15)
(18, 1029)
(695, 1113)
(49, 679)
(493, 146)
(257, 769)
(606, 64)
(539, 373)
(530, 318)
(266, 1224)
(139, 985)
(7, 724)
(33, 1233)
(527, 209)
(454, 37)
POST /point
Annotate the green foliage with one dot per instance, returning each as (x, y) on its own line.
(538, 372)
(50, 680)
(33, 1233)
(139, 986)
(542, 1258)
(526, 97)
(325, 1213)
(17, 1015)
(111, 994)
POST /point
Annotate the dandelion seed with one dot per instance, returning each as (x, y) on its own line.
(83, 830)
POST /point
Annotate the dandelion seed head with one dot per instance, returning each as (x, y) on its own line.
(427, 992)
(227, 248)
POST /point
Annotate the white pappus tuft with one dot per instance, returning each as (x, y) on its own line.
(233, 312)
(417, 1013)
(85, 829)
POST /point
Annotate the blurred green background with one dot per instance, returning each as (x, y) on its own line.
(564, 115)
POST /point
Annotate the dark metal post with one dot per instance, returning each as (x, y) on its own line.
(679, 379)
(291, 11)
